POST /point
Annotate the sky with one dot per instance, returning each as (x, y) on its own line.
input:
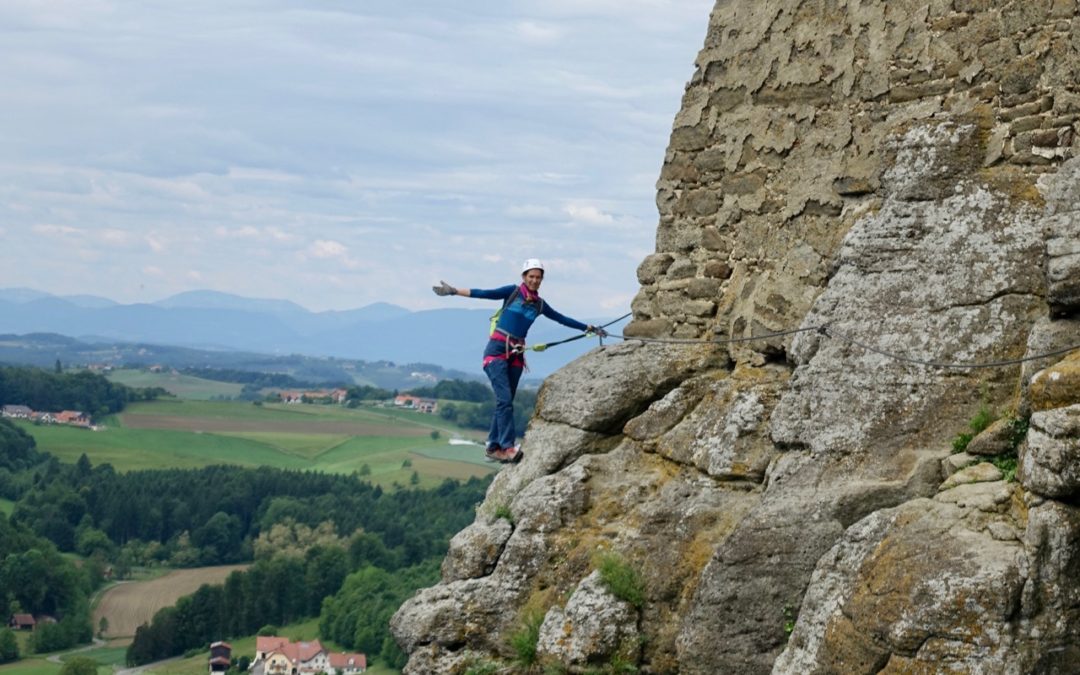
(336, 153)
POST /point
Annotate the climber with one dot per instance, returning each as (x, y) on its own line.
(504, 357)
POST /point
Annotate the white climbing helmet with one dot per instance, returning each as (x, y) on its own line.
(532, 264)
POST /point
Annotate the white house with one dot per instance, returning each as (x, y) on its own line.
(280, 656)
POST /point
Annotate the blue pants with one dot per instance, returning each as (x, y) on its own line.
(504, 380)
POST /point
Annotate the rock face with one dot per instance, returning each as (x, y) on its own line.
(594, 627)
(894, 181)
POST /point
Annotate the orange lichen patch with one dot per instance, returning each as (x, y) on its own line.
(1019, 510)
(1015, 184)
(746, 373)
(847, 649)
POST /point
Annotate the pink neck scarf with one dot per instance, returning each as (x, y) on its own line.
(527, 294)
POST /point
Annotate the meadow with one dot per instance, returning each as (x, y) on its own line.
(182, 386)
(384, 445)
(38, 664)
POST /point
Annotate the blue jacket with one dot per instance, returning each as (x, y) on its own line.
(519, 315)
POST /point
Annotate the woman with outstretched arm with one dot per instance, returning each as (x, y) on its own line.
(504, 358)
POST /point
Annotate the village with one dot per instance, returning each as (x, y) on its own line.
(75, 418)
(72, 418)
(273, 655)
(280, 656)
(339, 396)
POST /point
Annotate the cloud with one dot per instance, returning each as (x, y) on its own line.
(365, 140)
(588, 214)
(155, 243)
(536, 32)
(280, 235)
(265, 235)
(327, 249)
(114, 237)
(51, 230)
(323, 249)
(244, 232)
(554, 178)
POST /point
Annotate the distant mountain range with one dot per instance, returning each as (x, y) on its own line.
(209, 320)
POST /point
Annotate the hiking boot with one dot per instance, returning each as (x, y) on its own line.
(511, 455)
(491, 453)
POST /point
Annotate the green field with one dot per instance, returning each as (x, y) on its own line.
(107, 656)
(38, 665)
(6, 507)
(190, 434)
(183, 386)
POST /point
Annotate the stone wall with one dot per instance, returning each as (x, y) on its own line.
(890, 178)
(781, 142)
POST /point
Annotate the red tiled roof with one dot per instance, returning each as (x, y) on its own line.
(343, 661)
(269, 643)
(23, 619)
(296, 652)
(306, 651)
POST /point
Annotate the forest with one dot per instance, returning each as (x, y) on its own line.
(53, 391)
(321, 545)
(307, 532)
(37, 579)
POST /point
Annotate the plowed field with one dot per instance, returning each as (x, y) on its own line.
(128, 605)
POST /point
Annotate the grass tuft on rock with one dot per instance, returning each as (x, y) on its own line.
(619, 577)
(524, 640)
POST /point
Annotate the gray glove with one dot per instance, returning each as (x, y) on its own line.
(444, 289)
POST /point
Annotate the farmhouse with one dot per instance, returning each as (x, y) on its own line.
(426, 405)
(72, 417)
(280, 656)
(17, 411)
(22, 622)
(335, 395)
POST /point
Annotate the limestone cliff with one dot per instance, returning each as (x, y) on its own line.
(892, 177)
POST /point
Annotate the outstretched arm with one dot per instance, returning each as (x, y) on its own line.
(446, 289)
(573, 323)
(550, 313)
